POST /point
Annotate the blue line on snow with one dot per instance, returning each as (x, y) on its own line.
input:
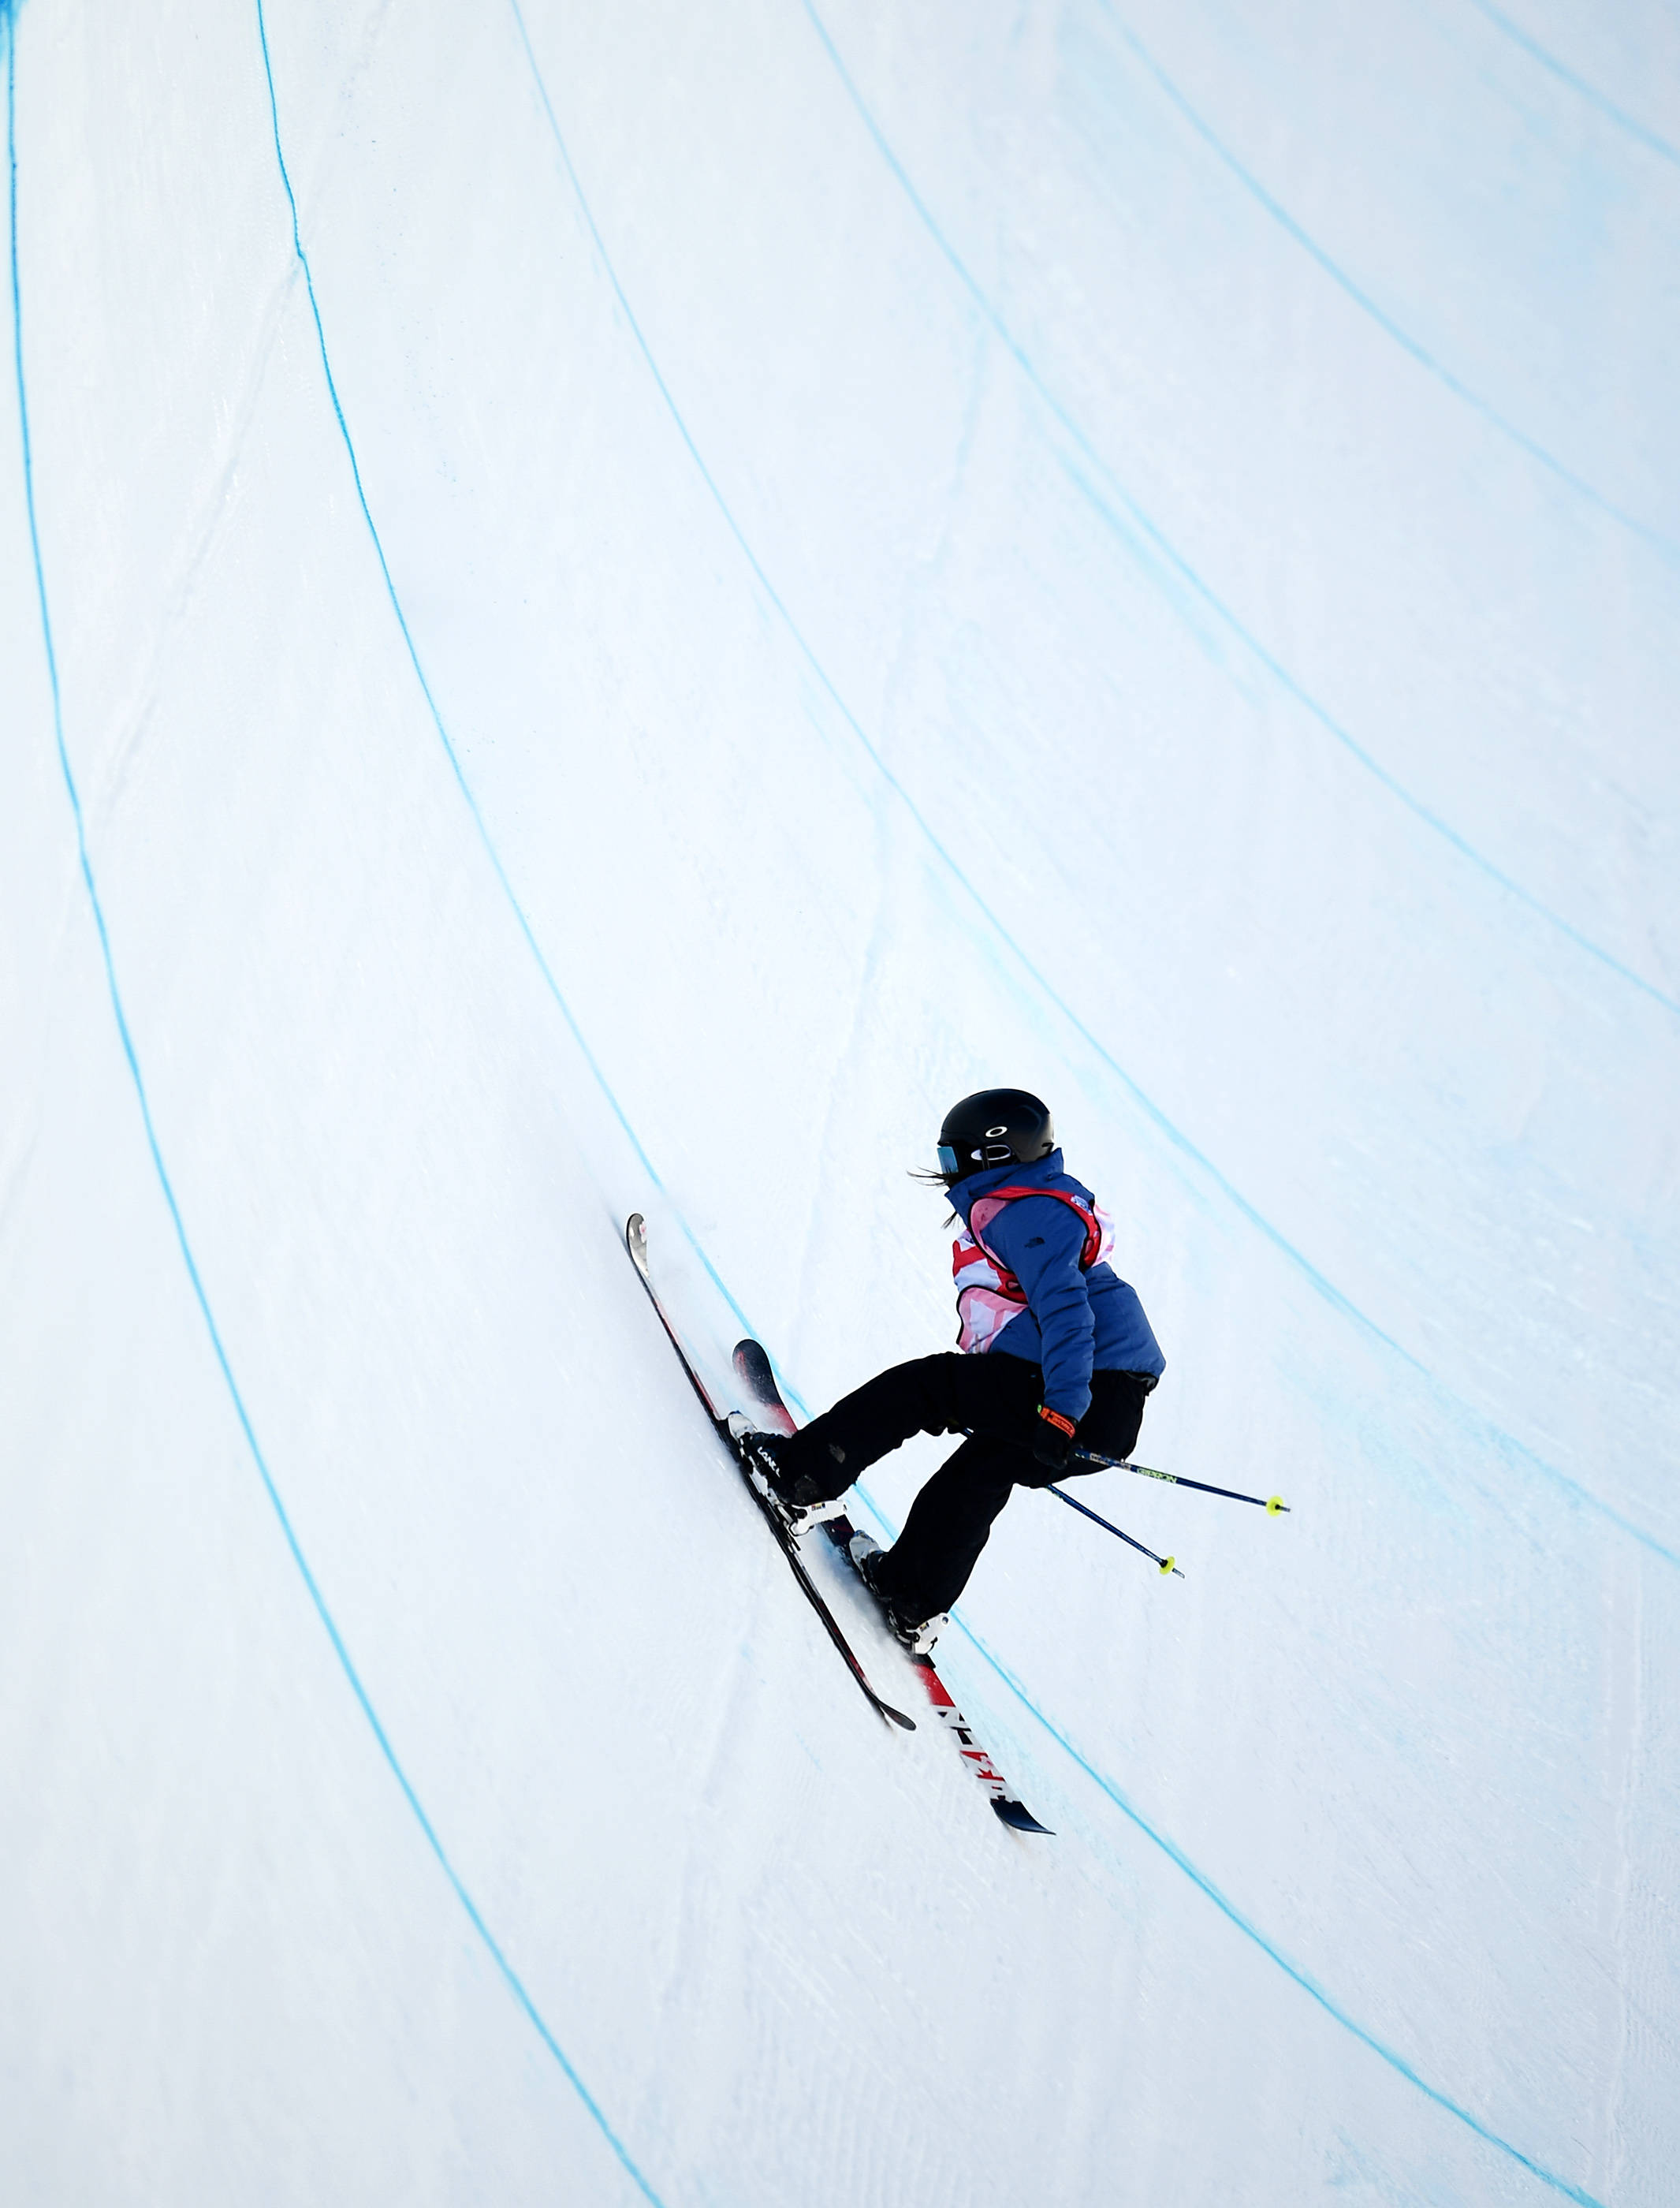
(346, 1664)
(1176, 1855)
(1227, 1908)
(1362, 299)
(1304, 1979)
(1392, 2058)
(1398, 2063)
(1537, 53)
(1320, 1282)
(1169, 1848)
(1204, 589)
(465, 788)
(1395, 2061)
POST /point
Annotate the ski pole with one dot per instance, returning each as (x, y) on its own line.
(1165, 1563)
(1272, 1504)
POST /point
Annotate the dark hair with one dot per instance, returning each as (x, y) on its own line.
(930, 1177)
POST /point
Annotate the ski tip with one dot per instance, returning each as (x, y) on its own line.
(636, 1237)
(897, 1717)
(1018, 1818)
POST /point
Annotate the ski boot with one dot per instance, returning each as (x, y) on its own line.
(793, 1497)
(919, 1635)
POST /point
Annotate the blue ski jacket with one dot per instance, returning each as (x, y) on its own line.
(1075, 1323)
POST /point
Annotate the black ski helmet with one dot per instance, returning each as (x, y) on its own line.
(996, 1127)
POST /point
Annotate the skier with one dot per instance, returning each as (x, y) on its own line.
(1053, 1347)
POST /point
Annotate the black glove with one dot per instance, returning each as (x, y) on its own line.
(1052, 1439)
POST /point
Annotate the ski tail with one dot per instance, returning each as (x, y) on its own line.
(1018, 1818)
(752, 1369)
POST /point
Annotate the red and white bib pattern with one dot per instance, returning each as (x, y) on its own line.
(988, 1294)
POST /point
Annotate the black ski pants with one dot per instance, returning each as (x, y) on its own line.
(995, 1398)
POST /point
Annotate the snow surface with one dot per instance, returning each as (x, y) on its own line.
(605, 609)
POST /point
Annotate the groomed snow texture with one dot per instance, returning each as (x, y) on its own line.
(604, 608)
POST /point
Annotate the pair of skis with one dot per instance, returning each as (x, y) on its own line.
(752, 1367)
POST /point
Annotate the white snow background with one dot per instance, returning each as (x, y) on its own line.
(606, 608)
